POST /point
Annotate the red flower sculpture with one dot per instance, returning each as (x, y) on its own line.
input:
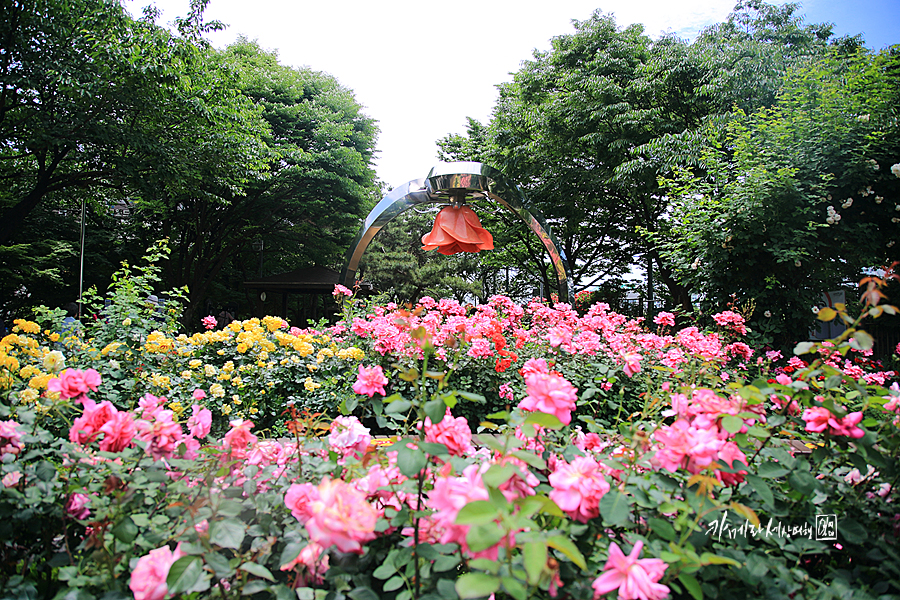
(457, 229)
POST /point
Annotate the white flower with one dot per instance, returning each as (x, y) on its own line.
(895, 220)
(847, 203)
(890, 244)
(815, 310)
(863, 118)
(55, 361)
(874, 163)
(895, 169)
(878, 199)
(767, 314)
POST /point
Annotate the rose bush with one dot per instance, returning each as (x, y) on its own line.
(617, 461)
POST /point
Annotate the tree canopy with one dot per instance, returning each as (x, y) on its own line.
(611, 134)
(159, 134)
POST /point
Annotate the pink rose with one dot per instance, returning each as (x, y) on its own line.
(161, 433)
(819, 419)
(636, 579)
(200, 421)
(148, 580)
(340, 290)
(348, 436)
(12, 479)
(665, 318)
(550, 394)
(315, 561)
(209, 322)
(86, 428)
(453, 433)
(118, 432)
(341, 517)
(75, 383)
(76, 506)
(370, 381)
(239, 437)
(578, 488)
(10, 438)
(299, 498)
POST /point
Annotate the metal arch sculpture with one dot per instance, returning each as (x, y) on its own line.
(444, 183)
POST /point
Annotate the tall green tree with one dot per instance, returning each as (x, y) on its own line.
(588, 127)
(96, 108)
(304, 202)
(796, 199)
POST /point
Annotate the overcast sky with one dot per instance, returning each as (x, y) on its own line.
(420, 67)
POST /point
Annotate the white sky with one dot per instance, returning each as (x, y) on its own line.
(421, 67)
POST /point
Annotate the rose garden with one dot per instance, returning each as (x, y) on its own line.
(635, 336)
(440, 451)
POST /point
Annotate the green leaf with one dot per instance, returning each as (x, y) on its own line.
(398, 406)
(852, 531)
(445, 563)
(514, 587)
(227, 533)
(770, 470)
(384, 570)
(800, 349)
(477, 512)
(535, 558)
(708, 558)
(471, 396)
(258, 570)
(482, 537)
(229, 508)
(434, 410)
(803, 482)
(394, 583)
(732, 424)
(433, 449)
(410, 461)
(662, 528)
(125, 531)
(184, 574)
(224, 569)
(568, 548)
(531, 459)
(497, 475)
(761, 488)
(45, 471)
(692, 585)
(544, 420)
(447, 589)
(615, 508)
(477, 585)
(363, 593)
(863, 340)
(254, 587)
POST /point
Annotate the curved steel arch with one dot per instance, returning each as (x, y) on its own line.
(445, 182)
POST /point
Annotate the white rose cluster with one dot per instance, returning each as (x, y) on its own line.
(833, 216)
(895, 169)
